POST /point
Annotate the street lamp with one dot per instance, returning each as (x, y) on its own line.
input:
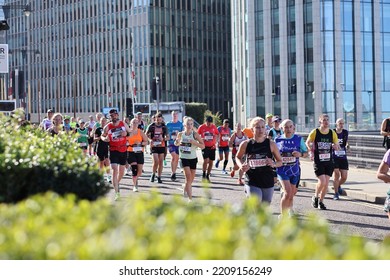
(369, 106)
(158, 92)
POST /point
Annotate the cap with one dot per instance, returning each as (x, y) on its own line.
(81, 121)
(209, 119)
(138, 113)
(269, 115)
(113, 111)
(50, 111)
(67, 118)
(225, 121)
(276, 119)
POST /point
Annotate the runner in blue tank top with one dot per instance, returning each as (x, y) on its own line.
(291, 147)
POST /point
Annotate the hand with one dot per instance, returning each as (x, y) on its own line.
(296, 154)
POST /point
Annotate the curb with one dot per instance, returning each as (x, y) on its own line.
(351, 193)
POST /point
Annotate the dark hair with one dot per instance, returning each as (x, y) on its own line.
(113, 111)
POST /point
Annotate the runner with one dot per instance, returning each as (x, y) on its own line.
(291, 148)
(90, 125)
(174, 127)
(223, 144)
(320, 144)
(56, 126)
(237, 138)
(275, 131)
(383, 175)
(209, 133)
(258, 163)
(82, 136)
(115, 133)
(47, 122)
(157, 133)
(188, 141)
(137, 140)
(102, 150)
(340, 174)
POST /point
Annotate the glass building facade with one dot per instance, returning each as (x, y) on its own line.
(96, 54)
(302, 58)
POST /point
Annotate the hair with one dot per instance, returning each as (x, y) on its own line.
(256, 120)
(284, 122)
(158, 114)
(188, 119)
(339, 120)
(56, 115)
(133, 120)
(322, 116)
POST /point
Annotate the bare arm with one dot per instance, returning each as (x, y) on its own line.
(240, 154)
(200, 143)
(382, 172)
(383, 128)
(276, 154)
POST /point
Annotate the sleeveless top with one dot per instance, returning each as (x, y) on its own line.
(343, 138)
(237, 141)
(186, 149)
(82, 136)
(286, 147)
(323, 149)
(117, 141)
(131, 140)
(260, 174)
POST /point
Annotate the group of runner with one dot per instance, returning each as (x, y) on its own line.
(265, 150)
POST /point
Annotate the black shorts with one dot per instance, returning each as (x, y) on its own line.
(117, 157)
(341, 163)
(90, 140)
(324, 169)
(102, 154)
(185, 162)
(208, 153)
(135, 157)
(158, 150)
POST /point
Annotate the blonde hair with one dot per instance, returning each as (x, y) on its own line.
(255, 120)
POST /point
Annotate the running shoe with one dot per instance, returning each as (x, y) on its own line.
(173, 177)
(341, 191)
(321, 206)
(314, 202)
(165, 162)
(336, 196)
(152, 178)
(109, 178)
(224, 172)
(135, 189)
(232, 173)
(208, 178)
(159, 180)
(217, 164)
(117, 196)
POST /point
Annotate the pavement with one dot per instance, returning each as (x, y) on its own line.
(361, 184)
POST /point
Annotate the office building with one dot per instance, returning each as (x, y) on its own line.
(302, 58)
(97, 54)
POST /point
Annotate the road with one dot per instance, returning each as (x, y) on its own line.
(348, 215)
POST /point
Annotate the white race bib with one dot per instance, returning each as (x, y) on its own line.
(286, 160)
(225, 138)
(156, 143)
(324, 157)
(137, 149)
(339, 153)
(83, 144)
(253, 163)
(208, 137)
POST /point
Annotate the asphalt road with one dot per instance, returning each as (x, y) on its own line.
(348, 216)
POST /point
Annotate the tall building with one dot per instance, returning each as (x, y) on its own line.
(302, 58)
(96, 54)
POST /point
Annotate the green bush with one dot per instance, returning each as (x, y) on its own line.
(32, 161)
(145, 227)
(196, 111)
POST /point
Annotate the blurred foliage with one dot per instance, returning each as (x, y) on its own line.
(145, 227)
(32, 161)
(196, 111)
(217, 117)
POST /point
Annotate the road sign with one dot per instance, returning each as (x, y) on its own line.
(7, 105)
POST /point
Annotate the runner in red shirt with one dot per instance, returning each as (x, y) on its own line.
(209, 133)
(115, 133)
(223, 144)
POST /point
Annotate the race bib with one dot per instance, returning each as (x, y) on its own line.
(137, 149)
(156, 143)
(324, 157)
(225, 138)
(208, 137)
(340, 153)
(83, 144)
(253, 163)
(287, 160)
(185, 148)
